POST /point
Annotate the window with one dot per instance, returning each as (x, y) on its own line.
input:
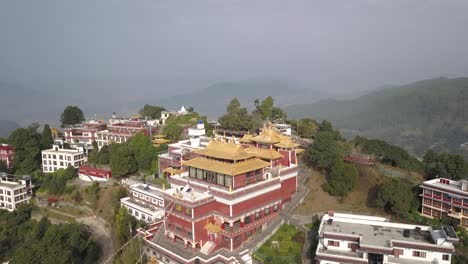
(199, 174)
(445, 257)
(228, 181)
(220, 179)
(275, 208)
(45, 162)
(237, 238)
(267, 211)
(333, 243)
(44, 156)
(178, 207)
(226, 239)
(419, 254)
(437, 193)
(189, 234)
(60, 157)
(247, 219)
(192, 172)
(188, 211)
(179, 230)
(257, 215)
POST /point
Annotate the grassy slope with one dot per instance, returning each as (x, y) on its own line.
(414, 116)
(356, 201)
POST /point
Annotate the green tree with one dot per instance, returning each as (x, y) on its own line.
(343, 178)
(173, 131)
(324, 150)
(305, 128)
(27, 145)
(122, 160)
(143, 150)
(123, 222)
(152, 111)
(132, 252)
(444, 165)
(72, 115)
(237, 117)
(395, 196)
(104, 155)
(46, 137)
(3, 166)
(93, 157)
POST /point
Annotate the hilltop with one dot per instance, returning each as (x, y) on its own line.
(417, 116)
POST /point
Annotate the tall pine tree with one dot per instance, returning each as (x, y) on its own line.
(46, 137)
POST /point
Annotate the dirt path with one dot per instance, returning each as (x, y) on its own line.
(101, 235)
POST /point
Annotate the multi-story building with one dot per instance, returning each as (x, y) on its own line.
(60, 158)
(14, 190)
(144, 203)
(348, 238)
(170, 162)
(122, 131)
(445, 198)
(84, 133)
(226, 195)
(7, 154)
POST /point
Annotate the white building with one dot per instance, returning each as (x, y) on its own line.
(144, 202)
(59, 158)
(14, 191)
(348, 238)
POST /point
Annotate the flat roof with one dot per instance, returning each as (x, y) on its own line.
(376, 235)
(451, 186)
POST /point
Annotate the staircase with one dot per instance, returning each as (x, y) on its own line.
(207, 247)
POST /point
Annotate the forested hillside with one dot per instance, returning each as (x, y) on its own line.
(426, 114)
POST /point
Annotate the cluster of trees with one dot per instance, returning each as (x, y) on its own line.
(25, 240)
(56, 182)
(173, 128)
(71, 115)
(28, 143)
(327, 153)
(138, 154)
(396, 196)
(305, 127)
(388, 154)
(151, 111)
(444, 165)
(239, 118)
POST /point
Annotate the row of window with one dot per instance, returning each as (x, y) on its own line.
(158, 202)
(140, 215)
(446, 196)
(210, 176)
(62, 157)
(416, 253)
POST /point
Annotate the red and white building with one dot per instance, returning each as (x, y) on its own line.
(350, 238)
(445, 198)
(84, 133)
(144, 203)
(87, 173)
(122, 131)
(227, 194)
(7, 154)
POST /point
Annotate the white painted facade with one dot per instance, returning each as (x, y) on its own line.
(348, 238)
(13, 192)
(59, 158)
(144, 202)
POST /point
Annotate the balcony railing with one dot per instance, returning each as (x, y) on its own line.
(455, 214)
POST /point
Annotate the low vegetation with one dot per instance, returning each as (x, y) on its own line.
(285, 246)
(24, 240)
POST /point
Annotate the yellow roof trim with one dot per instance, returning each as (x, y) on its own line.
(232, 169)
(224, 150)
(269, 154)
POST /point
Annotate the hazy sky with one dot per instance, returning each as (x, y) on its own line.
(328, 44)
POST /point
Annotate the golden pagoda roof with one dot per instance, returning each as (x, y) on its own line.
(269, 154)
(224, 150)
(212, 228)
(232, 169)
(286, 142)
(247, 138)
(159, 136)
(268, 136)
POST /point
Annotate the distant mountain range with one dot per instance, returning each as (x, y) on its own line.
(426, 114)
(212, 101)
